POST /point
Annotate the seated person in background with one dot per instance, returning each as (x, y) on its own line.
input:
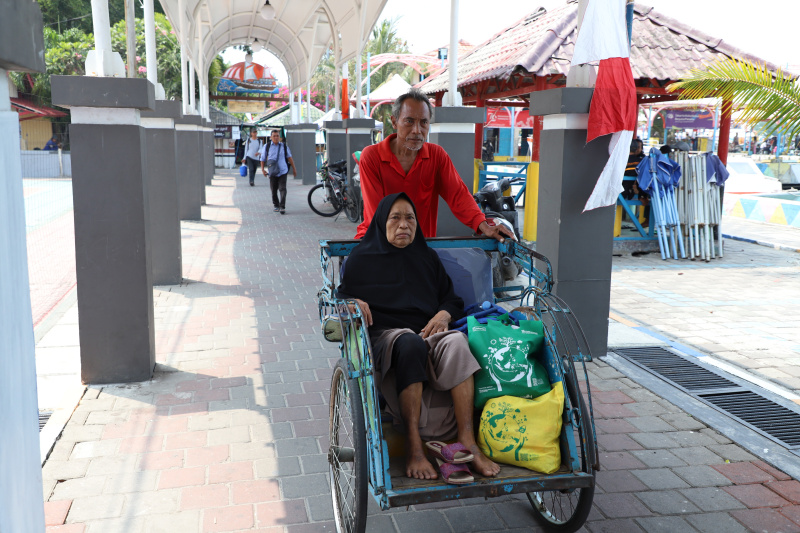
(52, 144)
(630, 187)
(423, 369)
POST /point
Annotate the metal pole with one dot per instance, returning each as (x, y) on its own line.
(308, 102)
(102, 34)
(452, 58)
(299, 106)
(192, 96)
(184, 81)
(369, 79)
(150, 42)
(130, 37)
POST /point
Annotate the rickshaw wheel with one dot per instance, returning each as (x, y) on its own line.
(565, 511)
(347, 455)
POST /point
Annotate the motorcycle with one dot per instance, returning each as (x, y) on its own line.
(500, 209)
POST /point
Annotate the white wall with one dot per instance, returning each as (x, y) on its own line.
(21, 506)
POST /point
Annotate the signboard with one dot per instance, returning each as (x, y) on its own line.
(246, 106)
(248, 77)
(689, 118)
(500, 117)
(235, 132)
(222, 132)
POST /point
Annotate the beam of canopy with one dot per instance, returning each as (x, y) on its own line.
(298, 36)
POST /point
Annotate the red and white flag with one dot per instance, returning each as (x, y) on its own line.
(603, 37)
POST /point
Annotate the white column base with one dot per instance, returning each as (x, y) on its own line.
(160, 94)
(104, 63)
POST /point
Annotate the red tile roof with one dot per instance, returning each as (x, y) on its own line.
(542, 43)
(28, 110)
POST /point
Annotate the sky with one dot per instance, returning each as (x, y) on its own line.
(767, 32)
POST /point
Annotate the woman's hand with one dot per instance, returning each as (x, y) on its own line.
(365, 312)
(437, 324)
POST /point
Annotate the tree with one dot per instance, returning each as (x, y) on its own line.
(766, 98)
(65, 14)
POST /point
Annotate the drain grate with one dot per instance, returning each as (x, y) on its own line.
(681, 372)
(44, 416)
(761, 413)
(768, 418)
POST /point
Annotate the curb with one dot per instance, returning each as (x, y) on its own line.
(762, 243)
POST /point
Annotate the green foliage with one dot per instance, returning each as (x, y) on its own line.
(763, 96)
(65, 14)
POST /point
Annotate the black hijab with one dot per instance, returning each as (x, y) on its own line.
(404, 287)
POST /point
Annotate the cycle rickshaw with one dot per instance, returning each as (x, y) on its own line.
(362, 462)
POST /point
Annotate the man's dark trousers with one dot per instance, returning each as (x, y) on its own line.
(252, 165)
(278, 183)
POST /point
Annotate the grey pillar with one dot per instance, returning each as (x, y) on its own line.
(578, 244)
(201, 155)
(335, 140)
(208, 137)
(21, 509)
(190, 167)
(454, 130)
(162, 191)
(112, 252)
(301, 139)
(359, 136)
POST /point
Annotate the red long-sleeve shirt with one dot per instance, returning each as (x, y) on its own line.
(432, 175)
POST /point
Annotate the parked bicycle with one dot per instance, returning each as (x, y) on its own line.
(334, 194)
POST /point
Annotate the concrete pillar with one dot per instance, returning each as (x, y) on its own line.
(301, 141)
(453, 129)
(201, 158)
(359, 136)
(208, 151)
(21, 508)
(161, 175)
(578, 244)
(189, 160)
(335, 140)
(112, 252)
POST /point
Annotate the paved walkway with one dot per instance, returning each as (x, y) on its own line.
(742, 309)
(763, 233)
(230, 433)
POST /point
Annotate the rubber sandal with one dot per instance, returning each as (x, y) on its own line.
(455, 453)
(455, 474)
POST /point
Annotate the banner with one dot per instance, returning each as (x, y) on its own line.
(246, 106)
(222, 132)
(688, 118)
(248, 77)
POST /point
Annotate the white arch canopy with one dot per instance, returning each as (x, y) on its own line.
(298, 35)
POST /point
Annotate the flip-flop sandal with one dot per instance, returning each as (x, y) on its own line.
(455, 453)
(458, 474)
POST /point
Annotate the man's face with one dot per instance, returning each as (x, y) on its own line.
(413, 124)
(401, 226)
(276, 137)
(253, 134)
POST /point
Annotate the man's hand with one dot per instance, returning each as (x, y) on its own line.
(365, 312)
(437, 324)
(499, 232)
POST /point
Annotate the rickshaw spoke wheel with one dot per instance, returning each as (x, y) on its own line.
(565, 511)
(347, 456)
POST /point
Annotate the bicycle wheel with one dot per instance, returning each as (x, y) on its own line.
(322, 201)
(347, 456)
(352, 209)
(565, 511)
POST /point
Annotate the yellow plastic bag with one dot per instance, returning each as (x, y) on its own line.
(522, 432)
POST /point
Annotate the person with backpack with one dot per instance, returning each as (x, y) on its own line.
(252, 153)
(278, 158)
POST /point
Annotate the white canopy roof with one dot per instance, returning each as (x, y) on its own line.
(390, 90)
(298, 35)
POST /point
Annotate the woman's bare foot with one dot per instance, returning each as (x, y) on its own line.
(482, 464)
(418, 466)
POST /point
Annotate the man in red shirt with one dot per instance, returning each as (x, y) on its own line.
(404, 162)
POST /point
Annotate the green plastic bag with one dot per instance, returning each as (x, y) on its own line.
(507, 355)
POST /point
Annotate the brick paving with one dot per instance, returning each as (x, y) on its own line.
(741, 309)
(230, 433)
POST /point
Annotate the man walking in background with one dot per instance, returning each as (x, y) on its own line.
(252, 153)
(278, 158)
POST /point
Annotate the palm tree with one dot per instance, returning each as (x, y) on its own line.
(765, 98)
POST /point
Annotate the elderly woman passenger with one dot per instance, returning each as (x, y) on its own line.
(423, 369)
